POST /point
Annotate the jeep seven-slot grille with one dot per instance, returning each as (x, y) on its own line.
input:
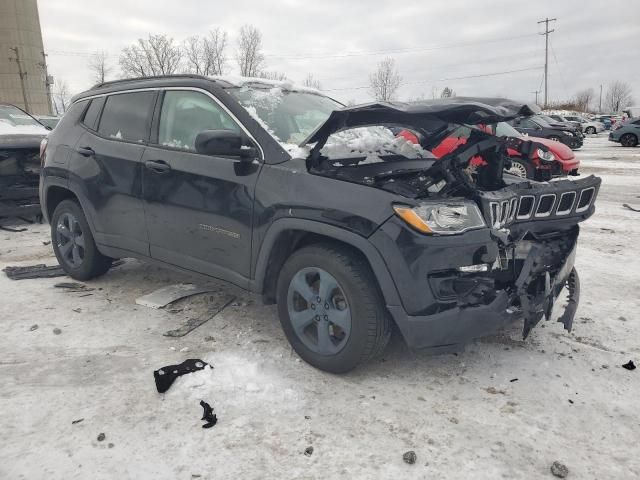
(540, 206)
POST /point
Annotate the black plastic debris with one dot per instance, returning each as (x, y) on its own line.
(308, 451)
(166, 375)
(12, 230)
(513, 380)
(559, 470)
(629, 365)
(73, 422)
(34, 271)
(73, 287)
(410, 457)
(101, 437)
(208, 415)
(629, 207)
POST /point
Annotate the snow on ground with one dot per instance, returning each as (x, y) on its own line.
(462, 415)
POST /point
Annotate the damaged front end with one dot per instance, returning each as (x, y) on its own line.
(513, 262)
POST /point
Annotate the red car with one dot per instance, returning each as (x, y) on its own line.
(559, 161)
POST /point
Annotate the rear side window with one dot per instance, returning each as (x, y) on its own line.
(126, 116)
(93, 112)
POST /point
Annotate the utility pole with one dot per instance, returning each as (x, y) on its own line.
(48, 81)
(536, 93)
(600, 105)
(546, 55)
(22, 74)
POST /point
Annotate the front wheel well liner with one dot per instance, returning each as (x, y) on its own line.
(55, 195)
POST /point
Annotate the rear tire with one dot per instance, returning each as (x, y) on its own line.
(629, 140)
(590, 130)
(350, 290)
(73, 243)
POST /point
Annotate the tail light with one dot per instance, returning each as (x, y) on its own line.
(43, 150)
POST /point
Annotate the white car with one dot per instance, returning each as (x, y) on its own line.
(588, 126)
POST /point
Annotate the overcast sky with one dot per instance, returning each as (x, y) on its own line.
(433, 43)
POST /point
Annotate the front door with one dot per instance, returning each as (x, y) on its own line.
(198, 208)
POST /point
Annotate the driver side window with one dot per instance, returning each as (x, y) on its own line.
(185, 114)
(526, 123)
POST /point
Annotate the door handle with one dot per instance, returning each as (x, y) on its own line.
(158, 166)
(86, 151)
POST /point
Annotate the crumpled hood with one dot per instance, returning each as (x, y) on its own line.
(427, 115)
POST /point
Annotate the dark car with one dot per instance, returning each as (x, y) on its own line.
(20, 138)
(626, 133)
(318, 208)
(537, 127)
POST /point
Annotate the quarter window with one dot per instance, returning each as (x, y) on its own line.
(92, 113)
(185, 114)
(125, 116)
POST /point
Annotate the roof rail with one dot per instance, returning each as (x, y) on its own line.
(153, 77)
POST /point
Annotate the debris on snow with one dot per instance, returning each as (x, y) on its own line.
(218, 302)
(101, 437)
(73, 422)
(629, 207)
(495, 391)
(12, 230)
(73, 287)
(629, 365)
(513, 380)
(559, 470)
(208, 415)
(34, 271)
(33, 327)
(410, 457)
(57, 331)
(308, 451)
(165, 376)
(164, 296)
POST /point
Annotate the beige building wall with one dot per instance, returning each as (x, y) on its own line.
(20, 27)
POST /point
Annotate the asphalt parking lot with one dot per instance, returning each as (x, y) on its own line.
(504, 408)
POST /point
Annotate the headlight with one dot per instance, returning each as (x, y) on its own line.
(444, 218)
(546, 156)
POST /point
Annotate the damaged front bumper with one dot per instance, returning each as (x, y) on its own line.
(463, 288)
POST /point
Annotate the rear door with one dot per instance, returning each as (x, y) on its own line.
(106, 166)
(198, 208)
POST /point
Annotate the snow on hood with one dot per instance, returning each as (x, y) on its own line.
(425, 115)
(8, 129)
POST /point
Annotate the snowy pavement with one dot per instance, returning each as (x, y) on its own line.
(505, 408)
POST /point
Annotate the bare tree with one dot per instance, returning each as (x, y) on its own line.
(312, 82)
(583, 99)
(249, 54)
(157, 55)
(272, 75)
(618, 96)
(206, 55)
(62, 96)
(385, 81)
(99, 68)
(447, 93)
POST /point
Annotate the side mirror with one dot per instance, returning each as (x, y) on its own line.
(224, 143)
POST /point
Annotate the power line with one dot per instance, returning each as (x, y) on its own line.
(421, 82)
(564, 84)
(74, 53)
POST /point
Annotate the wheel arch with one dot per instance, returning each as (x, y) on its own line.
(288, 235)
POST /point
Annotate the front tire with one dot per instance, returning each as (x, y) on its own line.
(73, 243)
(555, 138)
(331, 309)
(590, 130)
(629, 140)
(521, 169)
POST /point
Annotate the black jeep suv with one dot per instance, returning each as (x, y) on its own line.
(538, 126)
(281, 191)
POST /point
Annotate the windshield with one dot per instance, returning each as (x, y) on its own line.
(288, 115)
(16, 117)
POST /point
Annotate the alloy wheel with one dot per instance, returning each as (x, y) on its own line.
(628, 140)
(518, 169)
(318, 310)
(70, 240)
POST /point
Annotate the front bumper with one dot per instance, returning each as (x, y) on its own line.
(530, 254)
(612, 138)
